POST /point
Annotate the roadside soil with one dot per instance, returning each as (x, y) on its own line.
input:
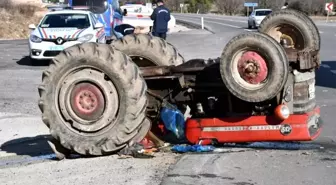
(15, 19)
(321, 18)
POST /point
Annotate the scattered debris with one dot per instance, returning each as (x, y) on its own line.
(193, 148)
(305, 153)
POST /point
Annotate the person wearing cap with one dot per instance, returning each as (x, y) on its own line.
(161, 17)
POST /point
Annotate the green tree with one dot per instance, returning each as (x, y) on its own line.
(202, 5)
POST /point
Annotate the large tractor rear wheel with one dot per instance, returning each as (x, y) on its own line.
(292, 29)
(147, 50)
(93, 99)
(254, 67)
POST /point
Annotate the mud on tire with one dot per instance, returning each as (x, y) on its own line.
(93, 99)
(154, 50)
(254, 67)
(294, 26)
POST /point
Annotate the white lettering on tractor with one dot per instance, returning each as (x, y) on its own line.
(242, 128)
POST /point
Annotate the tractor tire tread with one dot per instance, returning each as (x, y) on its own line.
(278, 75)
(156, 49)
(297, 19)
(123, 132)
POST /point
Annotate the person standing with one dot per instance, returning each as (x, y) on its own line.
(161, 17)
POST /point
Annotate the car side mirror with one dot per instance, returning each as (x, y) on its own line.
(98, 25)
(32, 26)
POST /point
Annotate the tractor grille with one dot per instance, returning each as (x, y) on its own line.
(304, 92)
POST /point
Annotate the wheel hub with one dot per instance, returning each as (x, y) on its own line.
(252, 68)
(286, 41)
(87, 101)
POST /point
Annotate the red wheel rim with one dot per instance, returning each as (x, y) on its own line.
(252, 68)
(87, 101)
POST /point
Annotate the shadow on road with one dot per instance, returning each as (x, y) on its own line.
(326, 74)
(30, 146)
(26, 61)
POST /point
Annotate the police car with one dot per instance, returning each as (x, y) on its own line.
(61, 29)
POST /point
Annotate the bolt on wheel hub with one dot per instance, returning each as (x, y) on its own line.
(87, 101)
(252, 68)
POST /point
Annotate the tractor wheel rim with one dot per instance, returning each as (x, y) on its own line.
(288, 36)
(252, 68)
(88, 100)
(249, 70)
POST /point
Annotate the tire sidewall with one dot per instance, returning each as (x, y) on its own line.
(292, 18)
(155, 49)
(121, 84)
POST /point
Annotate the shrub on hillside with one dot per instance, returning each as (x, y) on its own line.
(22, 9)
(16, 18)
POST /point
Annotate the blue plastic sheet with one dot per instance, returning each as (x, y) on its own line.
(192, 148)
(173, 120)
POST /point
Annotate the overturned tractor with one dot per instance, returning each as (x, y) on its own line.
(98, 99)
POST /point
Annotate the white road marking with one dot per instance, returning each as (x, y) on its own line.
(214, 18)
(333, 71)
(229, 25)
(321, 32)
(227, 19)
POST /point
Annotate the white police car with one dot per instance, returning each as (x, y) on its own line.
(59, 30)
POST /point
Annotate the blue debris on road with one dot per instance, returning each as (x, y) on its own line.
(192, 148)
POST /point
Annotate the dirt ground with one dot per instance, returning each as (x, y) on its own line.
(17, 17)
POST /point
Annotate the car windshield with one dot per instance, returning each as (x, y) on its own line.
(65, 21)
(263, 12)
(96, 6)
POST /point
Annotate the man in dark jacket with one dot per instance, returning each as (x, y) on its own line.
(161, 17)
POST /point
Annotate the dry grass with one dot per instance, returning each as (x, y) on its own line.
(331, 18)
(15, 19)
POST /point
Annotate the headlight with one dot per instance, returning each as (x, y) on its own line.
(85, 38)
(35, 38)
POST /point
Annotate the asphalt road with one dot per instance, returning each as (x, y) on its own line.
(268, 167)
(25, 157)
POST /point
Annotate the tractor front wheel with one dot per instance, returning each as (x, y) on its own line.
(254, 67)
